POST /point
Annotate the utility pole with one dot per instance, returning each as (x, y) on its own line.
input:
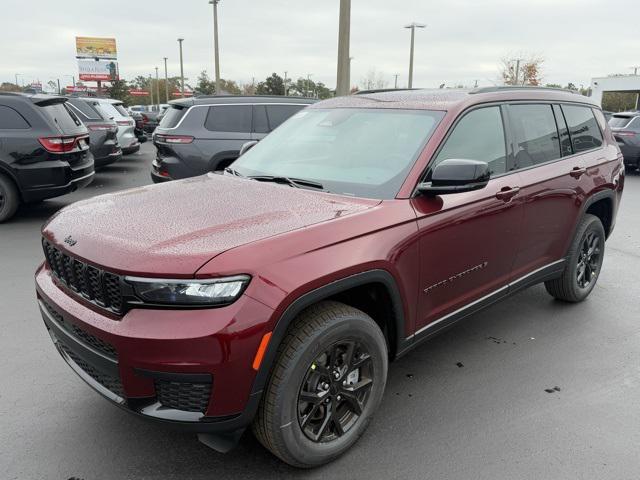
(635, 70)
(166, 80)
(517, 70)
(180, 40)
(157, 89)
(475, 85)
(59, 91)
(150, 92)
(215, 43)
(344, 62)
(285, 83)
(308, 84)
(413, 27)
(17, 79)
(395, 83)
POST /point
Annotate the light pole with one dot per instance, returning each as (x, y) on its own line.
(166, 80)
(413, 27)
(17, 79)
(180, 40)
(344, 27)
(157, 89)
(395, 85)
(517, 70)
(150, 92)
(308, 84)
(215, 43)
(285, 83)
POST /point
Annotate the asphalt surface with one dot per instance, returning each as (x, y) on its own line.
(470, 404)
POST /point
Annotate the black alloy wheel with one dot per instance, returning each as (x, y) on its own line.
(335, 391)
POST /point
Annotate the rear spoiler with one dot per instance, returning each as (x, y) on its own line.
(46, 100)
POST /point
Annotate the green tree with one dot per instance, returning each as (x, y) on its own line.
(273, 85)
(119, 90)
(619, 101)
(205, 85)
(10, 87)
(528, 73)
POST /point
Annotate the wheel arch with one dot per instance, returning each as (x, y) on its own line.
(375, 279)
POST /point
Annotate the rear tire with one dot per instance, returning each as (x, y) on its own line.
(327, 382)
(584, 263)
(9, 198)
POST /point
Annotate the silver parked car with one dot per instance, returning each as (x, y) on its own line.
(126, 125)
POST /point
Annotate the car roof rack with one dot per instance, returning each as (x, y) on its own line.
(383, 90)
(506, 88)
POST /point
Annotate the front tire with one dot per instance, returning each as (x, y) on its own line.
(327, 382)
(584, 263)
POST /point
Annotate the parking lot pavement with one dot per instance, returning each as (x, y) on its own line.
(528, 389)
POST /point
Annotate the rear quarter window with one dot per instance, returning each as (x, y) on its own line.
(583, 128)
(122, 110)
(10, 119)
(85, 109)
(229, 118)
(172, 116)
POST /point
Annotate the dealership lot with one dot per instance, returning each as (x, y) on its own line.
(472, 403)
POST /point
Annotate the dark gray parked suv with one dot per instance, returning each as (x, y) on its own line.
(626, 130)
(205, 134)
(102, 130)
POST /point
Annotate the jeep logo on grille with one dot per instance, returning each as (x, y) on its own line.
(70, 241)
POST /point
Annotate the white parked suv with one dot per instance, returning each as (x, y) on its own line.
(126, 125)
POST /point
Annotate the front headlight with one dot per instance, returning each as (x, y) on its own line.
(215, 291)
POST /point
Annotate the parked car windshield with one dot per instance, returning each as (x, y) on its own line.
(358, 152)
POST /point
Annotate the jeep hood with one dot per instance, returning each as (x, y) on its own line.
(174, 228)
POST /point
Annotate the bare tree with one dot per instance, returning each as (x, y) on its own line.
(521, 69)
(373, 80)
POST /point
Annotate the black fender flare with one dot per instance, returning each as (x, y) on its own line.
(307, 299)
(608, 194)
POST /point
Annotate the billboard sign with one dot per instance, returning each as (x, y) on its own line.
(98, 70)
(138, 93)
(93, 47)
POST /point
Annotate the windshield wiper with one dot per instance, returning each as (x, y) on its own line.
(234, 172)
(294, 182)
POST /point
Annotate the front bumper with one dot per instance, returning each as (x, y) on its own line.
(188, 368)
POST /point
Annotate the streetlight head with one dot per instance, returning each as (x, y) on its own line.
(415, 25)
(181, 39)
(214, 2)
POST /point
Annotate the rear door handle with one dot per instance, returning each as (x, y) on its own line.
(577, 172)
(507, 193)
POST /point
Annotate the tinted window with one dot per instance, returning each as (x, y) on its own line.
(478, 136)
(260, 122)
(172, 116)
(121, 109)
(108, 109)
(279, 113)
(619, 121)
(86, 110)
(11, 120)
(62, 116)
(535, 134)
(584, 130)
(565, 141)
(229, 118)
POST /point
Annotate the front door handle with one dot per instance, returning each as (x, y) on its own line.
(577, 172)
(507, 193)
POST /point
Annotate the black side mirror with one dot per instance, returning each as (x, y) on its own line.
(247, 146)
(456, 176)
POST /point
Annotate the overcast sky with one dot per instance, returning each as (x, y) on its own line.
(463, 42)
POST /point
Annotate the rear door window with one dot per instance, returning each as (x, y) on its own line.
(229, 118)
(279, 113)
(535, 134)
(10, 119)
(563, 130)
(260, 121)
(172, 116)
(478, 136)
(583, 128)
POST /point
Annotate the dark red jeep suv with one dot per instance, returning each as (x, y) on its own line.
(274, 294)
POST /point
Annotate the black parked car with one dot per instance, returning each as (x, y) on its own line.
(205, 134)
(102, 131)
(44, 150)
(626, 130)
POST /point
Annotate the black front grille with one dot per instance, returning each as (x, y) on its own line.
(99, 287)
(189, 397)
(82, 335)
(111, 383)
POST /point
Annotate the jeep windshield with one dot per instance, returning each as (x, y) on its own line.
(357, 152)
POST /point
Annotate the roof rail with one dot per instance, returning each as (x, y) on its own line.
(501, 88)
(382, 90)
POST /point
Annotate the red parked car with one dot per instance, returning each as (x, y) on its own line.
(275, 294)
